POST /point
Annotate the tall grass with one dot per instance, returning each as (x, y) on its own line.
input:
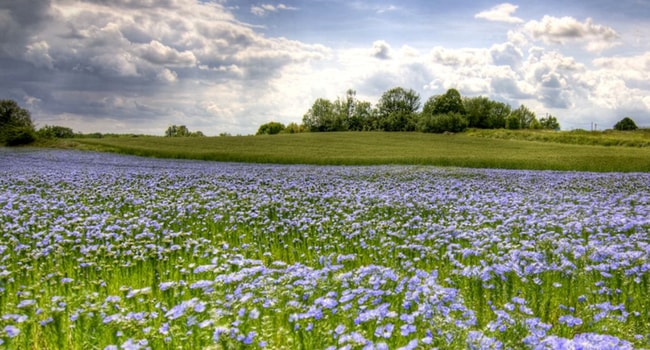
(367, 148)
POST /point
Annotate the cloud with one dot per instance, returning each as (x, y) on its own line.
(381, 50)
(554, 30)
(264, 9)
(500, 13)
(162, 59)
(158, 53)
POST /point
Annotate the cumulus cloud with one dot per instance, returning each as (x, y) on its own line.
(97, 51)
(554, 30)
(500, 13)
(381, 50)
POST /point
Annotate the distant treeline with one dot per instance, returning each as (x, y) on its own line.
(399, 109)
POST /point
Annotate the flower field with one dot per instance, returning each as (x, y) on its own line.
(101, 251)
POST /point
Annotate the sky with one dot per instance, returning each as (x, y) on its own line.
(139, 66)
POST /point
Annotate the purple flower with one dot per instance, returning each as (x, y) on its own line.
(570, 320)
(12, 331)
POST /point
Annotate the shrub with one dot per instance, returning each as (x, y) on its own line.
(625, 124)
(16, 127)
(21, 135)
(55, 132)
(439, 123)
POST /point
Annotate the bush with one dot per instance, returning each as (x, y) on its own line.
(439, 123)
(625, 124)
(271, 128)
(16, 127)
(55, 132)
(20, 136)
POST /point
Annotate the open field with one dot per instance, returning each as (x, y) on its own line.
(367, 148)
(105, 251)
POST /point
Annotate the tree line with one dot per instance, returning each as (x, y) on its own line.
(398, 109)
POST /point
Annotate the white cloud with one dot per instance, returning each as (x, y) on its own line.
(38, 54)
(158, 53)
(381, 50)
(500, 13)
(264, 9)
(554, 30)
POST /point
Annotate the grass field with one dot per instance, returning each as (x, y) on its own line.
(495, 149)
(105, 251)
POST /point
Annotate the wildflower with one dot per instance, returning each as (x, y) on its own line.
(26, 303)
(11, 331)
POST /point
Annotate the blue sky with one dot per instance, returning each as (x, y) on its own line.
(138, 66)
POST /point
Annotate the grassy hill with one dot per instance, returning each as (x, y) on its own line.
(496, 149)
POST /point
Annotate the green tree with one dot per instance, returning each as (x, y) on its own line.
(477, 111)
(439, 123)
(16, 126)
(55, 132)
(397, 110)
(526, 118)
(270, 128)
(549, 122)
(513, 122)
(324, 115)
(625, 124)
(293, 128)
(449, 102)
(499, 112)
(180, 131)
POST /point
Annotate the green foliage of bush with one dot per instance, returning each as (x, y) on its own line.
(625, 124)
(21, 135)
(270, 128)
(439, 123)
(16, 127)
(55, 132)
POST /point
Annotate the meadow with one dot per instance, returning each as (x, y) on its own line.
(106, 251)
(519, 149)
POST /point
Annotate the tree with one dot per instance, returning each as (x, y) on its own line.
(324, 116)
(181, 131)
(526, 118)
(270, 128)
(55, 132)
(293, 128)
(625, 124)
(513, 122)
(549, 123)
(477, 111)
(16, 126)
(439, 123)
(397, 109)
(449, 102)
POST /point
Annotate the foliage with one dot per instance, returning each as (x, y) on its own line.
(449, 102)
(323, 116)
(181, 131)
(625, 124)
(527, 119)
(397, 108)
(293, 128)
(55, 132)
(16, 126)
(19, 135)
(438, 123)
(549, 122)
(513, 122)
(270, 128)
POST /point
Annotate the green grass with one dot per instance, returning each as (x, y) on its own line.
(639, 138)
(476, 149)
